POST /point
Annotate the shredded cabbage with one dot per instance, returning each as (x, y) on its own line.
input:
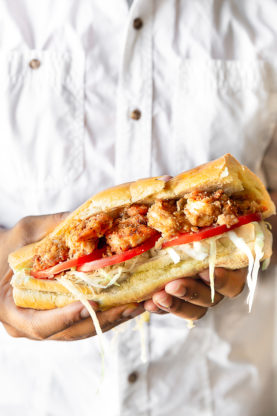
(76, 292)
(266, 264)
(197, 250)
(190, 324)
(115, 274)
(117, 330)
(258, 248)
(174, 255)
(101, 279)
(200, 250)
(253, 264)
(140, 321)
(84, 276)
(212, 260)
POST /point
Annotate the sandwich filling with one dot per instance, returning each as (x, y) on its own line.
(111, 234)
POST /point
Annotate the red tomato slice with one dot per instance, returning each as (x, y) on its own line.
(210, 231)
(118, 258)
(65, 265)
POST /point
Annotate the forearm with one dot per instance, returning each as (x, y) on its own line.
(273, 222)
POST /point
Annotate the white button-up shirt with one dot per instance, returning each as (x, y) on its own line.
(203, 76)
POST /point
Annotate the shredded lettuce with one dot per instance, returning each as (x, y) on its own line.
(78, 295)
(253, 263)
(140, 322)
(212, 260)
(174, 255)
(101, 279)
(265, 264)
(259, 253)
(197, 250)
(241, 245)
(190, 324)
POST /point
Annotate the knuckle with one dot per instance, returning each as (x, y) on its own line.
(191, 290)
(191, 295)
(69, 321)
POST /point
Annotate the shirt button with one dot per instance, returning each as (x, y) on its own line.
(132, 377)
(136, 114)
(137, 23)
(34, 64)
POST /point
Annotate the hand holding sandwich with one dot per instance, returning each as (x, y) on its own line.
(190, 298)
(68, 323)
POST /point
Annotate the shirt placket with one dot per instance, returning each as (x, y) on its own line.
(133, 367)
(134, 110)
(133, 161)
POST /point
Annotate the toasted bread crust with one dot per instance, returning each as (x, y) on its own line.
(40, 300)
(224, 173)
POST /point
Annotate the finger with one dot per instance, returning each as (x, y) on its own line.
(229, 283)
(179, 307)
(107, 320)
(150, 306)
(193, 291)
(42, 324)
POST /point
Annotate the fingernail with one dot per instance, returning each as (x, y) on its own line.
(165, 301)
(205, 275)
(176, 289)
(165, 178)
(84, 313)
(152, 308)
(131, 312)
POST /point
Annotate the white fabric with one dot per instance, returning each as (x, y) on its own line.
(204, 76)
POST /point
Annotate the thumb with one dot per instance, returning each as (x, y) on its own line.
(44, 224)
(34, 228)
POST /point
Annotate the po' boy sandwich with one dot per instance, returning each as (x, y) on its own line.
(127, 242)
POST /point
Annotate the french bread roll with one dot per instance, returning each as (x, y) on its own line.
(151, 273)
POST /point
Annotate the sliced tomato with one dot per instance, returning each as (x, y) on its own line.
(212, 231)
(118, 258)
(65, 265)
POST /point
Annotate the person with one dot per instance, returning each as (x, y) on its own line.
(95, 93)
